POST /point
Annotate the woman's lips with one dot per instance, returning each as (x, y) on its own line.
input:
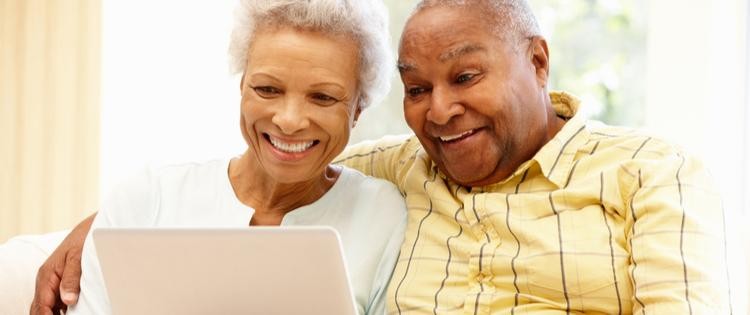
(290, 151)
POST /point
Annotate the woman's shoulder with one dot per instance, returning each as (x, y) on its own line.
(140, 195)
(188, 170)
(357, 182)
(370, 193)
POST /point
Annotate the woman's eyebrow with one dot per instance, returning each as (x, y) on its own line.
(337, 88)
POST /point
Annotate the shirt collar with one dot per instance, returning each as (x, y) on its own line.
(555, 158)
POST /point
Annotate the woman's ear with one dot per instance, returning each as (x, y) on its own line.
(242, 82)
(357, 112)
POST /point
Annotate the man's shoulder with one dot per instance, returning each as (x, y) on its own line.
(392, 144)
(629, 143)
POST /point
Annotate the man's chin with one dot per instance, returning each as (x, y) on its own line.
(465, 176)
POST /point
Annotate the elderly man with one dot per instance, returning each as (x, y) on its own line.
(517, 204)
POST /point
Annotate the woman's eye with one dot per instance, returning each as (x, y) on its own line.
(463, 78)
(324, 99)
(415, 91)
(266, 91)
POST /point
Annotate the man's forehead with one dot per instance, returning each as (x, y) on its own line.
(444, 21)
(461, 49)
(451, 52)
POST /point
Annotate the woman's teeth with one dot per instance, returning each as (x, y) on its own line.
(458, 136)
(291, 147)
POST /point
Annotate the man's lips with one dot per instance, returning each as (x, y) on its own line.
(456, 137)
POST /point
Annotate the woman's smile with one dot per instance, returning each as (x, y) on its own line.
(289, 150)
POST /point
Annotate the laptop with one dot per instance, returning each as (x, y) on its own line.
(258, 270)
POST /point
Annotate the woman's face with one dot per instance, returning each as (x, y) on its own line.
(299, 96)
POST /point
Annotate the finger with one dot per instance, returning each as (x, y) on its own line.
(71, 277)
(45, 294)
(37, 309)
(61, 308)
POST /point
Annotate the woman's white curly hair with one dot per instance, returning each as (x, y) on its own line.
(365, 21)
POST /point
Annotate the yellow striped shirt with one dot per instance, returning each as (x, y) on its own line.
(603, 220)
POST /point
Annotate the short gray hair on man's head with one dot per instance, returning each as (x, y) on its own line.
(365, 21)
(510, 19)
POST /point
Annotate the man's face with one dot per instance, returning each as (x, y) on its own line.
(476, 103)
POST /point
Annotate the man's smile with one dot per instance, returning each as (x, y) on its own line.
(457, 136)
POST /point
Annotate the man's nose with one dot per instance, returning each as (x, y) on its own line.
(444, 105)
(292, 116)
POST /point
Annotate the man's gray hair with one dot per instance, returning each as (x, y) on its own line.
(510, 19)
(365, 21)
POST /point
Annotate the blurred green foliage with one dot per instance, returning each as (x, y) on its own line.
(598, 52)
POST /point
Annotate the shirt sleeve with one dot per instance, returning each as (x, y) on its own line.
(20, 258)
(130, 205)
(676, 237)
(385, 158)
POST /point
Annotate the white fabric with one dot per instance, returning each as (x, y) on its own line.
(369, 213)
(20, 258)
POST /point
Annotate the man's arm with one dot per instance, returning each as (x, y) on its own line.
(382, 158)
(58, 279)
(675, 232)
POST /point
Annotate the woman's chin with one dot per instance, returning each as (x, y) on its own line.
(284, 174)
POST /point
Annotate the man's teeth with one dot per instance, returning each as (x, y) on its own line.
(458, 136)
(291, 147)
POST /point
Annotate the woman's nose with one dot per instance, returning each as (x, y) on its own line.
(292, 117)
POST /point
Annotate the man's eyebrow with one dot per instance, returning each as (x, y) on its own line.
(460, 51)
(453, 53)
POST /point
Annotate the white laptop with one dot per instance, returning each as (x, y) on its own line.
(258, 270)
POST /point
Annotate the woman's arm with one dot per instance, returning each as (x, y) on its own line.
(58, 279)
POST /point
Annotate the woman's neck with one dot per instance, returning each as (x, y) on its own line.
(270, 198)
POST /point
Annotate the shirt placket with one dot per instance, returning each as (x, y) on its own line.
(486, 244)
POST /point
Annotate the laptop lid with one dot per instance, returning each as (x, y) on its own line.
(259, 270)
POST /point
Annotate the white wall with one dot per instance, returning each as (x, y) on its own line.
(166, 90)
(167, 93)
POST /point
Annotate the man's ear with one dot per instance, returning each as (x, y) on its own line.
(539, 54)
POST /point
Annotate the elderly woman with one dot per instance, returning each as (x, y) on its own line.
(309, 68)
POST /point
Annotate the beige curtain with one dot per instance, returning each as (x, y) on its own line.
(49, 113)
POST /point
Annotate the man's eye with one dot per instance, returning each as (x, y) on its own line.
(324, 99)
(463, 78)
(266, 91)
(415, 91)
